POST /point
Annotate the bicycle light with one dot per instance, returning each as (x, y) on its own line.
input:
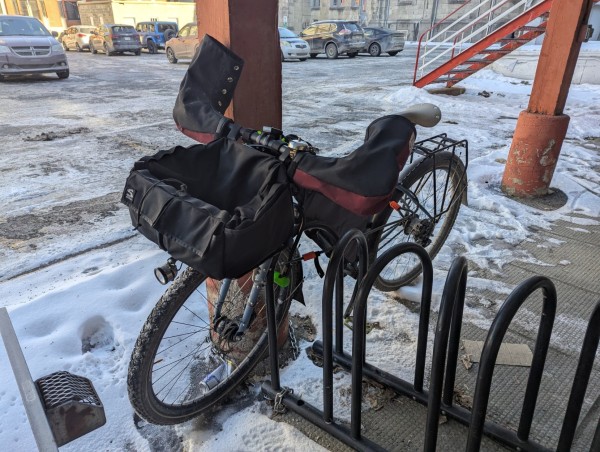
(167, 272)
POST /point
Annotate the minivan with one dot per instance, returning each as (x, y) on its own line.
(27, 47)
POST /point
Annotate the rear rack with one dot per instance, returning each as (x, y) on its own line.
(431, 146)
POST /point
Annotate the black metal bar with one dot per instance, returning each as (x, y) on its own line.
(336, 263)
(454, 286)
(272, 327)
(454, 340)
(580, 383)
(339, 311)
(314, 416)
(360, 320)
(490, 352)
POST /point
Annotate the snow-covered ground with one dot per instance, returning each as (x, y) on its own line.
(78, 283)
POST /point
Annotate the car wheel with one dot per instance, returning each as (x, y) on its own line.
(394, 53)
(152, 46)
(313, 55)
(375, 49)
(65, 46)
(108, 52)
(331, 50)
(302, 59)
(78, 47)
(63, 74)
(93, 50)
(352, 54)
(138, 52)
(282, 57)
(171, 56)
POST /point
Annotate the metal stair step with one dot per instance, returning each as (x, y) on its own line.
(532, 28)
(478, 61)
(495, 51)
(461, 71)
(516, 39)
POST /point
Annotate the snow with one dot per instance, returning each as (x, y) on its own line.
(79, 303)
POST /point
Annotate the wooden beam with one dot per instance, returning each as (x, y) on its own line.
(249, 28)
(565, 32)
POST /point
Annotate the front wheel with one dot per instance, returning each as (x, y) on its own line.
(394, 53)
(93, 50)
(171, 56)
(429, 188)
(375, 49)
(184, 361)
(152, 48)
(63, 74)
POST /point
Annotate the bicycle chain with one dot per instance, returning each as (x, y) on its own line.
(278, 406)
(293, 341)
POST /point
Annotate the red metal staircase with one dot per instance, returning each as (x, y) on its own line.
(474, 36)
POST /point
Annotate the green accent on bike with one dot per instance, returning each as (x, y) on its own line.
(281, 281)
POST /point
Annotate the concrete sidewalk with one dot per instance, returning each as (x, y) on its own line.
(569, 254)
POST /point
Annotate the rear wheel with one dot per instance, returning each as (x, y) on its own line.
(375, 49)
(394, 53)
(183, 361)
(106, 50)
(78, 47)
(138, 52)
(331, 50)
(171, 56)
(93, 50)
(428, 189)
(152, 46)
(352, 54)
(302, 59)
(313, 55)
(65, 46)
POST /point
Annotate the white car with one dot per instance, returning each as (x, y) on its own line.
(292, 47)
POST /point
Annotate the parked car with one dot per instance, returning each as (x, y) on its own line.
(384, 40)
(27, 47)
(115, 38)
(334, 37)
(184, 44)
(154, 35)
(292, 46)
(77, 37)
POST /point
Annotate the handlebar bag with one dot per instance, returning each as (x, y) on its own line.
(221, 208)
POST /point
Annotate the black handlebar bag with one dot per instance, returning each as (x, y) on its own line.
(221, 208)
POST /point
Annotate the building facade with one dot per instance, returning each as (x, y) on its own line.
(412, 16)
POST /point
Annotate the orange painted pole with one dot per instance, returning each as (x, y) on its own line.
(541, 128)
(249, 28)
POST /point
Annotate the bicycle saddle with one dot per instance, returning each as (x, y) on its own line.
(363, 181)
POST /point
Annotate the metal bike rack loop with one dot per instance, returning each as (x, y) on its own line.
(439, 396)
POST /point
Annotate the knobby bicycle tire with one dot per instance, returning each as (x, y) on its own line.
(145, 397)
(417, 174)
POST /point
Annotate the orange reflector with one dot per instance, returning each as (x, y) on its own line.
(394, 205)
(310, 255)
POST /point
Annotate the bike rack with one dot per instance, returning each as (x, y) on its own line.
(439, 397)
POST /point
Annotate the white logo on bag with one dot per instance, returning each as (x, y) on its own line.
(129, 194)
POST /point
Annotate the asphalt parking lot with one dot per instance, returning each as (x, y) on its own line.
(70, 143)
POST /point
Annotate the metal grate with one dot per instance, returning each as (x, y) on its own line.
(61, 387)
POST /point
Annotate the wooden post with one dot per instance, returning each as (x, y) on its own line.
(248, 28)
(541, 128)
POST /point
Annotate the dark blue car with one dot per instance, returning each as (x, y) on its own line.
(154, 35)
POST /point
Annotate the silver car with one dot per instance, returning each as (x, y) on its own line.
(77, 37)
(27, 47)
(292, 46)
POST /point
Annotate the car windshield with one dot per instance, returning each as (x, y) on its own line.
(21, 26)
(123, 29)
(285, 33)
(87, 30)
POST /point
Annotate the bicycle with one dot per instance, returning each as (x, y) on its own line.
(205, 335)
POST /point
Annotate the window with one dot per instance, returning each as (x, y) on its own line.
(184, 32)
(315, 4)
(310, 31)
(194, 30)
(336, 4)
(43, 5)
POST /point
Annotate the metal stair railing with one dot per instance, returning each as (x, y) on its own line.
(443, 38)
